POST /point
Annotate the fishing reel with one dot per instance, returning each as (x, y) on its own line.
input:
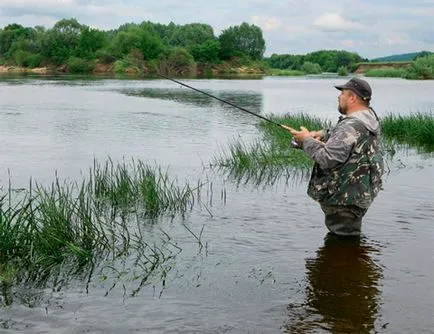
(295, 144)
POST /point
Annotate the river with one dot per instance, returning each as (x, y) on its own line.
(267, 265)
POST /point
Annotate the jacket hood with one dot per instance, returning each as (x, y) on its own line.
(368, 118)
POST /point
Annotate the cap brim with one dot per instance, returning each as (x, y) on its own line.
(341, 87)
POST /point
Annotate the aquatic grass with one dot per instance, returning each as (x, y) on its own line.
(66, 225)
(414, 130)
(138, 186)
(51, 235)
(281, 138)
(265, 160)
(260, 163)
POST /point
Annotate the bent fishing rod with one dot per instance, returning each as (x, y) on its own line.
(227, 102)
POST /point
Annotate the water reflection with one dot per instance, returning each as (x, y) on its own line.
(342, 292)
(249, 100)
(267, 175)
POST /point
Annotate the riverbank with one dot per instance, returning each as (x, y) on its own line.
(223, 68)
(24, 70)
(365, 67)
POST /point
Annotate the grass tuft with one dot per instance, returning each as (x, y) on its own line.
(414, 130)
(50, 235)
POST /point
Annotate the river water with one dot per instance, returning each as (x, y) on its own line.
(267, 265)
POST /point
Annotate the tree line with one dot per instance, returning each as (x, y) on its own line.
(317, 62)
(78, 46)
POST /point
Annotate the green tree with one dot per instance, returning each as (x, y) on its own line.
(13, 33)
(242, 40)
(206, 52)
(285, 61)
(329, 60)
(422, 68)
(311, 68)
(423, 54)
(192, 34)
(60, 43)
(136, 38)
(90, 41)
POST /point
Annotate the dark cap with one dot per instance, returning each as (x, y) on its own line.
(358, 86)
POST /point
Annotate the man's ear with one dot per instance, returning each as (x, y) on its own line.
(353, 97)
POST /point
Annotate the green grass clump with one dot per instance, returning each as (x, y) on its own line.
(281, 138)
(288, 73)
(422, 68)
(49, 235)
(342, 71)
(267, 159)
(138, 187)
(272, 156)
(415, 130)
(259, 163)
(386, 73)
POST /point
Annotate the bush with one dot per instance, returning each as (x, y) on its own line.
(421, 68)
(176, 61)
(78, 65)
(105, 56)
(342, 71)
(311, 68)
(206, 52)
(28, 59)
(120, 66)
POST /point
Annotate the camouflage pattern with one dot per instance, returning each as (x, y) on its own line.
(343, 220)
(355, 178)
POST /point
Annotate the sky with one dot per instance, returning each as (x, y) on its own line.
(370, 28)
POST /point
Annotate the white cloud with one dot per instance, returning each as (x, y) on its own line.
(42, 3)
(335, 22)
(350, 43)
(266, 23)
(395, 39)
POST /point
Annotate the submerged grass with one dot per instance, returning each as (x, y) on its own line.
(271, 157)
(281, 138)
(138, 187)
(50, 235)
(414, 130)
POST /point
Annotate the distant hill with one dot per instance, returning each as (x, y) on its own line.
(402, 57)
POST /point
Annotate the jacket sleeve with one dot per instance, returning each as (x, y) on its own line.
(336, 150)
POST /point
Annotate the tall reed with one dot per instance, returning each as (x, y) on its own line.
(272, 156)
(416, 130)
(53, 234)
(138, 187)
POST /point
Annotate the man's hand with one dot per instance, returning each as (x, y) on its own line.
(318, 135)
(299, 136)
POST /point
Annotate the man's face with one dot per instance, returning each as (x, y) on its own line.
(343, 101)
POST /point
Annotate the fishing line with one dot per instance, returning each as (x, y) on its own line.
(293, 142)
(224, 101)
(221, 100)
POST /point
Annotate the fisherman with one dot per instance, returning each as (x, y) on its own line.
(348, 164)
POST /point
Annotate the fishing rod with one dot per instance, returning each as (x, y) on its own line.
(224, 101)
(294, 143)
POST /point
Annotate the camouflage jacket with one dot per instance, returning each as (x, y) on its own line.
(350, 171)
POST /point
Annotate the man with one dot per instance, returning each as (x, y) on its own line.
(346, 176)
